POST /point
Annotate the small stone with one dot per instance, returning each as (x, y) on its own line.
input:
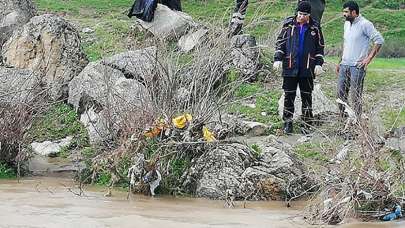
(87, 30)
(250, 105)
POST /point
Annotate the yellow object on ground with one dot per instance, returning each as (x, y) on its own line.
(160, 125)
(181, 121)
(208, 135)
(153, 132)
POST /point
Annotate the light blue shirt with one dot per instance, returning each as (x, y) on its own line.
(357, 37)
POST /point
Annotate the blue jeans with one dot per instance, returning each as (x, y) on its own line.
(351, 76)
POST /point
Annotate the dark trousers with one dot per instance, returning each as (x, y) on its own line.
(306, 85)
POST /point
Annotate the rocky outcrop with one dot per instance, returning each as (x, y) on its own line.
(219, 170)
(107, 89)
(139, 64)
(192, 39)
(245, 54)
(14, 14)
(230, 125)
(49, 46)
(271, 173)
(320, 103)
(167, 24)
(18, 85)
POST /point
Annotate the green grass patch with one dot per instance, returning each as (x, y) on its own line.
(312, 151)
(178, 166)
(263, 19)
(248, 90)
(6, 172)
(378, 80)
(77, 7)
(393, 118)
(266, 104)
(258, 151)
(378, 63)
(109, 36)
(58, 122)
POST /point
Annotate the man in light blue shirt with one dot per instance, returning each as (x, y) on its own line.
(358, 33)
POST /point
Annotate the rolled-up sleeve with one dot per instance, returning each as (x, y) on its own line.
(373, 34)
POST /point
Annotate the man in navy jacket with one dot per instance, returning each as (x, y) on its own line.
(299, 54)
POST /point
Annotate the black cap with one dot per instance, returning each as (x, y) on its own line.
(304, 7)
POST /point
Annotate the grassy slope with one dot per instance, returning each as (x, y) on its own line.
(263, 17)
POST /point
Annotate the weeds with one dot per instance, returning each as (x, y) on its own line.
(6, 172)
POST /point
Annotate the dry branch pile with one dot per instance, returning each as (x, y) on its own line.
(364, 181)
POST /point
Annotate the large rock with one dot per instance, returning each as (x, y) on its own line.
(50, 148)
(14, 14)
(106, 90)
(252, 128)
(230, 125)
(320, 103)
(18, 85)
(277, 174)
(219, 170)
(49, 46)
(139, 65)
(192, 39)
(97, 126)
(167, 24)
(245, 54)
(273, 174)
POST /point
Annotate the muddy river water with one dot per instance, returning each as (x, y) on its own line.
(52, 202)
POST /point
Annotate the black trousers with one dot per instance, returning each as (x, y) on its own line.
(306, 85)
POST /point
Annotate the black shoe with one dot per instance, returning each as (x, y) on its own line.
(288, 127)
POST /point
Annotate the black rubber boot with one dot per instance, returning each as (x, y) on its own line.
(288, 127)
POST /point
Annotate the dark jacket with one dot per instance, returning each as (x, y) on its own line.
(287, 45)
(172, 4)
(143, 9)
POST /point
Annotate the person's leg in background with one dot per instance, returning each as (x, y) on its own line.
(290, 91)
(343, 87)
(238, 17)
(357, 81)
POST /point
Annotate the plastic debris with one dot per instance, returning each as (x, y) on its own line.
(352, 118)
(156, 130)
(181, 121)
(152, 178)
(208, 135)
(367, 195)
(393, 215)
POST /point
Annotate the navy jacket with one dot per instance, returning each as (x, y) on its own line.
(287, 45)
(145, 9)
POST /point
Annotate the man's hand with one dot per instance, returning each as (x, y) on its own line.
(277, 65)
(364, 63)
(318, 70)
